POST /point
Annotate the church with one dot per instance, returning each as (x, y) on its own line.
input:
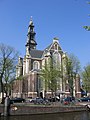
(28, 82)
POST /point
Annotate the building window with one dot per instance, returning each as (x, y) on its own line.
(36, 65)
(56, 59)
(55, 46)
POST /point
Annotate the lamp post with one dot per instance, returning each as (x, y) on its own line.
(38, 85)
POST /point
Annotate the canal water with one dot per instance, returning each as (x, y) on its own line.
(57, 116)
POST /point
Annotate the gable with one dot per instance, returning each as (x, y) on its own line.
(54, 46)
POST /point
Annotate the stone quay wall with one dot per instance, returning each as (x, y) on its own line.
(28, 110)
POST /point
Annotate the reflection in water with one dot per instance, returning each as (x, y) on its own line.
(59, 116)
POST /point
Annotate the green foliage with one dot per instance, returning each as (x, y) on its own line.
(72, 68)
(75, 63)
(86, 78)
(50, 74)
(8, 60)
(87, 28)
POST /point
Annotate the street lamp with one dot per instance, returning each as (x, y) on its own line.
(38, 85)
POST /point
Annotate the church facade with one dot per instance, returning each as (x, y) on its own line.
(28, 82)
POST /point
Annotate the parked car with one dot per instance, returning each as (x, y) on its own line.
(29, 99)
(39, 101)
(17, 100)
(84, 99)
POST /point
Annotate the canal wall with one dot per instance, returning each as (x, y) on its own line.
(28, 110)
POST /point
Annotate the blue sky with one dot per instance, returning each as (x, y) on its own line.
(52, 18)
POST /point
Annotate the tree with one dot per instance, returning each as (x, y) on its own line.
(50, 75)
(9, 75)
(75, 63)
(8, 60)
(86, 78)
(72, 69)
(87, 27)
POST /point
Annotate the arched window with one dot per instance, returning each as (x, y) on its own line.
(56, 59)
(55, 46)
(36, 65)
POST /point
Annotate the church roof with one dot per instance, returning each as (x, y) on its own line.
(47, 48)
(36, 53)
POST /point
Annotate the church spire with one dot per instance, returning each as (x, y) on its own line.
(31, 43)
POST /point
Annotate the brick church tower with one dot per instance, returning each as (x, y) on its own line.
(28, 82)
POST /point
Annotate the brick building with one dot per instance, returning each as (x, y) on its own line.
(28, 69)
